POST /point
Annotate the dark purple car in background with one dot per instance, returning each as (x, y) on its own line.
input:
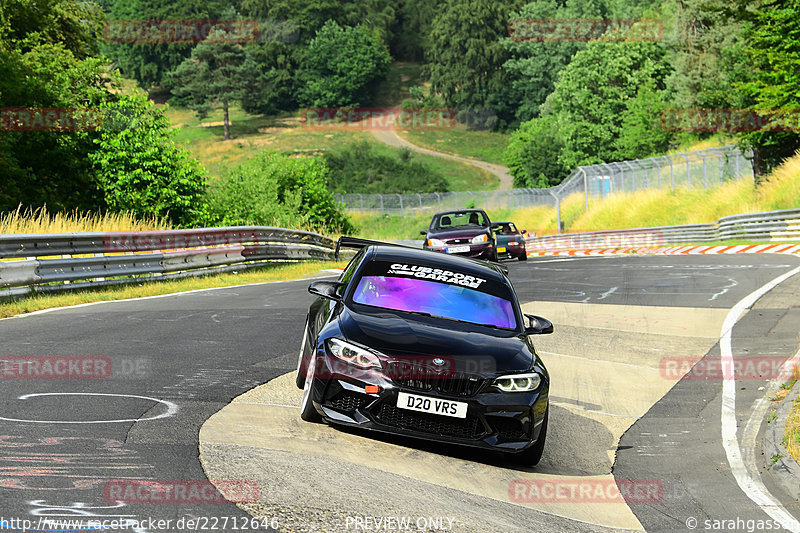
(510, 241)
(466, 232)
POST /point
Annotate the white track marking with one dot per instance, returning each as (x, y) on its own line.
(172, 409)
(754, 489)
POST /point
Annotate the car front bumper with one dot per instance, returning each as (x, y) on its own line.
(508, 422)
(475, 251)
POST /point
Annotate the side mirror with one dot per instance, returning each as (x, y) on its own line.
(538, 325)
(326, 289)
(523, 231)
(423, 232)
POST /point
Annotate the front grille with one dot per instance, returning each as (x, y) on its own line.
(347, 401)
(463, 428)
(508, 429)
(424, 378)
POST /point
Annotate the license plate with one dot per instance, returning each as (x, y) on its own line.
(437, 406)
(501, 249)
(458, 249)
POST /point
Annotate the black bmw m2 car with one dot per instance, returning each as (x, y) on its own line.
(426, 345)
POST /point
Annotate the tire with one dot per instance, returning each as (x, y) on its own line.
(307, 410)
(533, 455)
(523, 257)
(300, 378)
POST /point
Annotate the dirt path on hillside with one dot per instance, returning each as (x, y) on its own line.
(390, 137)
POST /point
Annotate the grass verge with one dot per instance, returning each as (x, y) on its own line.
(278, 272)
(791, 434)
(286, 134)
(482, 145)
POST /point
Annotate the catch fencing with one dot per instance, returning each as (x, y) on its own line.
(53, 261)
(696, 169)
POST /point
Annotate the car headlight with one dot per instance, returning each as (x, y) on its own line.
(435, 242)
(353, 354)
(480, 238)
(518, 382)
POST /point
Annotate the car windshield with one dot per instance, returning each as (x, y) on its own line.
(459, 219)
(436, 292)
(506, 229)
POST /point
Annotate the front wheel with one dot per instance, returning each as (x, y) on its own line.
(300, 378)
(307, 410)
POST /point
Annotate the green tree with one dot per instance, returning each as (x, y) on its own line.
(465, 55)
(41, 71)
(532, 154)
(708, 54)
(533, 65)
(341, 65)
(641, 134)
(216, 73)
(141, 170)
(148, 62)
(773, 50)
(590, 99)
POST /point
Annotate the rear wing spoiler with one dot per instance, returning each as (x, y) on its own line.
(357, 244)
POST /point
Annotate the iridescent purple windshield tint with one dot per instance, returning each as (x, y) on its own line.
(437, 299)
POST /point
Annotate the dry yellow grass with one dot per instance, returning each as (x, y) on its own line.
(791, 435)
(42, 221)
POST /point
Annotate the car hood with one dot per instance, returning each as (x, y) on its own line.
(461, 233)
(469, 351)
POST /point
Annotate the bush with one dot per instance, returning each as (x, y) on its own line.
(141, 170)
(277, 190)
(532, 154)
(360, 169)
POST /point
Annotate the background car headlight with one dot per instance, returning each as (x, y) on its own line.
(480, 238)
(435, 242)
(518, 382)
(353, 354)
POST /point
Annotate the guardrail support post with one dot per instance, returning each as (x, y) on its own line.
(361, 197)
(705, 172)
(438, 201)
(382, 210)
(402, 211)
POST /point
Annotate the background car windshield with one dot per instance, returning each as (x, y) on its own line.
(435, 298)
(454, 220)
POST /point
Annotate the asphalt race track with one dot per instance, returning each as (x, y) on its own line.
(622, 414)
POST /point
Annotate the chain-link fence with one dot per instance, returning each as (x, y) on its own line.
(700, 168)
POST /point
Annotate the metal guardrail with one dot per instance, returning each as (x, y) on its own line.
(54, 261)
(758, 227)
